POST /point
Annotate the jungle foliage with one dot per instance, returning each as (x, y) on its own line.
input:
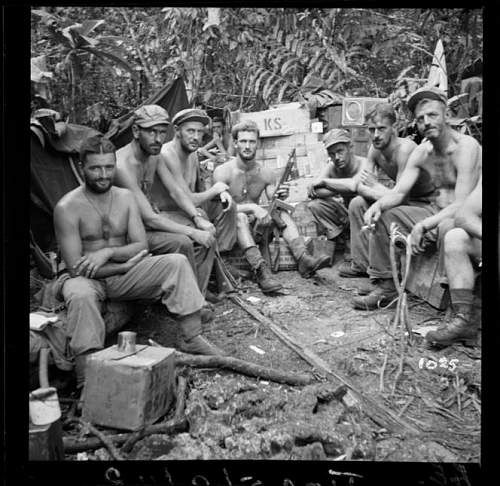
(95, 63)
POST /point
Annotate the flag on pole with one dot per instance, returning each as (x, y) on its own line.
(437, 74)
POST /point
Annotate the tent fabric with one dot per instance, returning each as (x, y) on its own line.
(172, 97)
(51, 178)
(53, 172)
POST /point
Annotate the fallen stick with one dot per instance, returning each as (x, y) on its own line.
(72, 445)
(179, 411)
(382, 371)
(103, 439)
(377, 412)
(244, 367)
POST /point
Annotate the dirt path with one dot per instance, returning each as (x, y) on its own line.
(232, 416)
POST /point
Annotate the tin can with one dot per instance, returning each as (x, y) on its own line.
(126, 341)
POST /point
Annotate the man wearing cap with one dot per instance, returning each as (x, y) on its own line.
(137, 164)
(180, 158)
(103, 244)
(331, 193)
(453, 162)
(247, 180)
(388, 154)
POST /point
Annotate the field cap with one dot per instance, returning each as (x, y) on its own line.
(190, 114)
(150, 115)
(427, 92)
(336, 135)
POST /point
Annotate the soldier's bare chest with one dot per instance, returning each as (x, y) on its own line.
(247, 185)
(442, 170)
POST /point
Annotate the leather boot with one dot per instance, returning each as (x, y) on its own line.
(190, 339)
(265, 280)
(383, 295)
(307, 264)
(458, 329)
(348, 270)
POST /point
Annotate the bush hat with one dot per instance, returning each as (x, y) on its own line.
(150, 115)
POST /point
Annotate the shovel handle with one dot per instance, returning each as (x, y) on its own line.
(43, 368)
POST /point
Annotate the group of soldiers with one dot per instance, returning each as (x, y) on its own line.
(143, 226)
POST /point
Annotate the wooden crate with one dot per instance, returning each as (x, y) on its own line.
(128, 392)
(237, 259)
(423, 280)
(285, 120)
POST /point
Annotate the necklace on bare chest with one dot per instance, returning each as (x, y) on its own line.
(105, 221)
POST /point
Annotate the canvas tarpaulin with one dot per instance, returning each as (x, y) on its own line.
(172, 97)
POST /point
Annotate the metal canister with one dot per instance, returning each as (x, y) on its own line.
(126, 341)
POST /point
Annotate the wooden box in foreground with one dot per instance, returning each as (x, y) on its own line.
(126, 391)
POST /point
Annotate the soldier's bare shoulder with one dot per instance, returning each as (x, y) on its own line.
(407, 143)
(70, 201)
(227, 167)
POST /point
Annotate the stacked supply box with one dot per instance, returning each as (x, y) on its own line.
(283, 129)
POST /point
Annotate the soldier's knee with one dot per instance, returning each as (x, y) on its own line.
(176, 259)
(79, 289)
(456, 240)
(184, 244)
(357, 205)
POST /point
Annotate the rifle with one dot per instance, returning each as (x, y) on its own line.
(275, 205)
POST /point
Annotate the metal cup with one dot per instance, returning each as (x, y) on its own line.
(126, 341)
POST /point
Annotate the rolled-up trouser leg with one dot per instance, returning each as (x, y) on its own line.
(405, 217)
(359, 239)
(225, 223)
(330, 214)
(166, 277)
(85, 325)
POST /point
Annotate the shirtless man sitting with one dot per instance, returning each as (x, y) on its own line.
(332, 192)
(247, 180)
(453, 162)
(103, 243)
(179, 155)
(388, 154)
(462, 251)
(137, 163)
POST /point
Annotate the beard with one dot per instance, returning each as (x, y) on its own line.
(98, 186)
(247, 156)
(189, 148)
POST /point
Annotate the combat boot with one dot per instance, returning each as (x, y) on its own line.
(199, 345)
(458, 329)
(265, 280)
(348, 270)
(383, 295)
(307, 264)
(190, 338)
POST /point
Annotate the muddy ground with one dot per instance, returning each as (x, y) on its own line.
(233, 416)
